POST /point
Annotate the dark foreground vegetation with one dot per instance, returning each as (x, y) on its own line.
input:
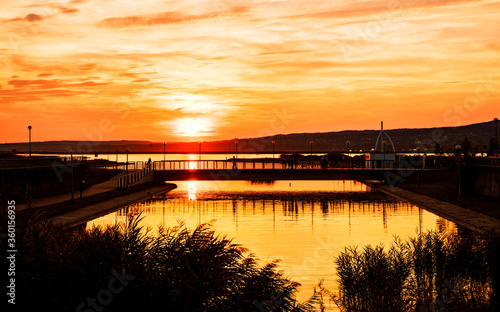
(127, 268)
(431, 272)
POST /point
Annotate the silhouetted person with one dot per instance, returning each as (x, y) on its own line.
(235, 166)
(324, 162)
(82, 186)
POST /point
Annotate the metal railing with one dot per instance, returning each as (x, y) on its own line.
(134, 178)
(131, 165)
(268, 164)
(30, 162)
(216, 164)
(488, 161)
(74, 159)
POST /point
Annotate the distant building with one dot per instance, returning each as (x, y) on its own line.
(382, 158)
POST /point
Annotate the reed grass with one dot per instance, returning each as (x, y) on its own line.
(430, 272)
(176, 269)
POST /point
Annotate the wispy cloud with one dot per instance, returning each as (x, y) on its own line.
(355, 9)
(164, 18)
(52, 84)
(166, 70)
(28, 18)
(67, 10)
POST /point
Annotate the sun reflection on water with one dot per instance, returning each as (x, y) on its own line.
(192, 187)
(302, 223)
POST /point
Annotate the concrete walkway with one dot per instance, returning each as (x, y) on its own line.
(84, 214)
(95, 189)
(471, 219)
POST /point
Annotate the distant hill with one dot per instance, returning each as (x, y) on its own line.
(404, 140)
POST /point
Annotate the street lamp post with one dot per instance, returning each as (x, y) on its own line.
(127, 150)
(496, 134)
(71, 169)
(72, 184)
(29, 131)
(236, 143)
(421, 154)
(419, 149)
(273, 142)
(199, 151)
(163, 155)
(457, 148)
(311, 142)
(383, 151)
(348, 143)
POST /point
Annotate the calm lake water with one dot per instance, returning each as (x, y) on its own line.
(304, 223)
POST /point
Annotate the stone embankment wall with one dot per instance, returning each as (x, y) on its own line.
(31, 183)
(487, 180)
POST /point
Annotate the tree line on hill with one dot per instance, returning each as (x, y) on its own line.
(481, 136)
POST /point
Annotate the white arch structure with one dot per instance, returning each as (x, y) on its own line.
(380, 136)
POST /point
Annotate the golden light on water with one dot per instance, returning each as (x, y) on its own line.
(192, 190)
(280, 221)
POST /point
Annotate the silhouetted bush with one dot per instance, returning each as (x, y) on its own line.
(129, 269)
(431, 272)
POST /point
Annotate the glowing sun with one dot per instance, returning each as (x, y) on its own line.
(193, 127)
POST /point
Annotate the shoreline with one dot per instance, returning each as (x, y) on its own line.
(84, 214)
(471, 219)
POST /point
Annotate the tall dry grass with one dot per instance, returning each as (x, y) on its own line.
(176, 269)
(430, 272)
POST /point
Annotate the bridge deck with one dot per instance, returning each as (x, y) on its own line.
(277, 174)
(267, 170)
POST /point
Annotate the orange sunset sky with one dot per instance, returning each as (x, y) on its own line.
(219, 69)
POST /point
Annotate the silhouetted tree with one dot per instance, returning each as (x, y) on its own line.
(438, 149)
(493, 147)
(466, 147)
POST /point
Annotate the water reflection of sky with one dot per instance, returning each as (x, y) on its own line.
(303, 229)
(211, 187)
